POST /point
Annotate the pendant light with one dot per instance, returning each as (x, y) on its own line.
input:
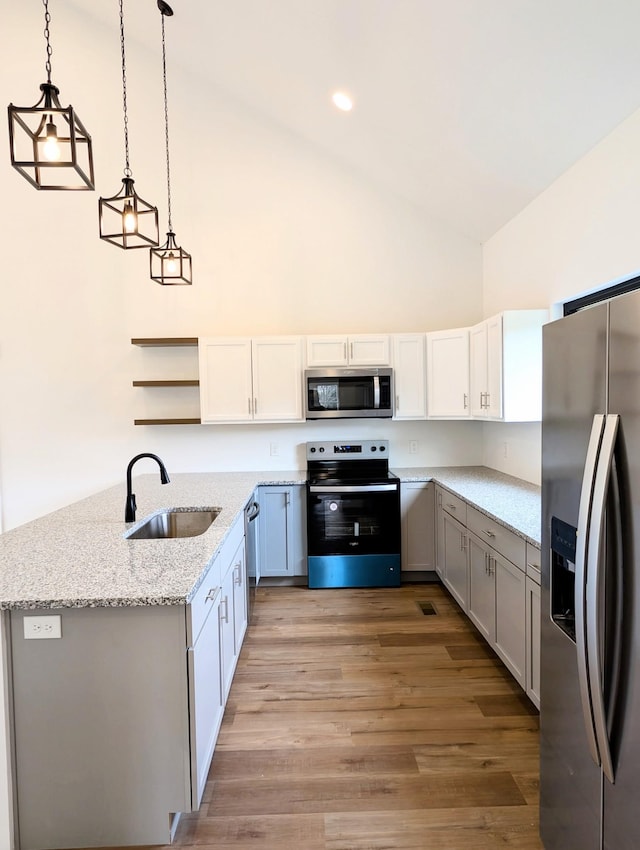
(169, 263)
(49, 144)
(126, 220)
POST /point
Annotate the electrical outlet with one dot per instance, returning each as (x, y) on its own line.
(273, 449)
(413, 447)
(42, 628)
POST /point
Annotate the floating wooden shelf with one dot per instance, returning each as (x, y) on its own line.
(167, 421)
(165, 341)
(183, 383)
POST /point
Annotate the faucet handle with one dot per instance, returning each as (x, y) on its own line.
(130, 508)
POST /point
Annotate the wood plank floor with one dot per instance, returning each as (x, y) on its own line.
(356, 722)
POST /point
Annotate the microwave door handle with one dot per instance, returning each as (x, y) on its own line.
(376, 392)
(595, 591)
(582, 570)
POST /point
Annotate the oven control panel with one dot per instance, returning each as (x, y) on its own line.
(351, 449)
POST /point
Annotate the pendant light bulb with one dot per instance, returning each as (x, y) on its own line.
(170, 264)
(51, 148)
(129, 218)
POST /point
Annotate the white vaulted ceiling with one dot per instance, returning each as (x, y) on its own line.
(466, 108)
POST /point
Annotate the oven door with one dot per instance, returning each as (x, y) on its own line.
(359, 519)
(353, 535)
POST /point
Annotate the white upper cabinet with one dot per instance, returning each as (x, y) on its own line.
(353, 350)
(245, 380)
(409, 374)
(448, 373)
(506, 366)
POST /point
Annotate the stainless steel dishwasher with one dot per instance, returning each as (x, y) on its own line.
(251, 542)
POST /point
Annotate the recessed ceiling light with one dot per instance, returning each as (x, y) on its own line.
(342, 101)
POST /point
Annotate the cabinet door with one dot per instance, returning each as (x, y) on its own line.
(206, 704)
(439, 517)
(409, 376)
(494, 368)
(281, 531)
(227, 633)
(327, 351)
(226, 393)
(482, 589)
(369, 350)
(417, 517)
(448, 373)
(277, 379)
(511, 617)
(456, 572)
(239, 570)
(478, 378)
(533, 641)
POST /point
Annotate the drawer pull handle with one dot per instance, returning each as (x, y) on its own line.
(449, 505)
(211, 595)
(487, 532)
(533, 566)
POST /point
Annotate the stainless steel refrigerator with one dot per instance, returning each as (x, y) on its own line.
(590, 628)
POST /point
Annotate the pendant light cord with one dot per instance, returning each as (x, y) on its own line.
(166, 121)
(47, 21)
(127, 170)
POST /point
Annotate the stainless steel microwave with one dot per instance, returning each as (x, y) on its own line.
(348, 393)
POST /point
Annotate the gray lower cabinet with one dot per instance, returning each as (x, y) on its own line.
(282, 531)
(456, 567)
(417, 526)
(510, 617)
(482, 589)
(115, 723)
(205, 698)
(533, 623)
(494, 576)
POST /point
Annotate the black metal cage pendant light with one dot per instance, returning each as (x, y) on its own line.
(170, 264)
(126, 220)
(49, 144)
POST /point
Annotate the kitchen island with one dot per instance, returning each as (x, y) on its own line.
(126, 608)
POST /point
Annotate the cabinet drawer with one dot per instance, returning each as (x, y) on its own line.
(203, 600)
(533, 562)
(455, 506)
(498, 537)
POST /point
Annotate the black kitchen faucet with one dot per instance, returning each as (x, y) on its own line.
(130, 507)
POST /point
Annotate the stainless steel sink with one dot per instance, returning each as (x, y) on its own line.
(177, 522)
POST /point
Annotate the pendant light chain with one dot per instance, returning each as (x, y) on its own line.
(127, 170)
(47, 21)
(166, 124)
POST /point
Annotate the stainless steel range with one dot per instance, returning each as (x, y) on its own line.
(353, 515)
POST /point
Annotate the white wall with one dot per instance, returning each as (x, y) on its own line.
(580, 234)
(284, 240)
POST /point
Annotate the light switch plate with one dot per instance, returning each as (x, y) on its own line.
(42, 628)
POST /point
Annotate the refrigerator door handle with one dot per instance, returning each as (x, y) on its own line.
(595, 591)
(582, 551)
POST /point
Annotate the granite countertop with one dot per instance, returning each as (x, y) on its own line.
(78, 556)
(512, 502)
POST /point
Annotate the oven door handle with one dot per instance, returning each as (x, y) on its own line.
(351, 488)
